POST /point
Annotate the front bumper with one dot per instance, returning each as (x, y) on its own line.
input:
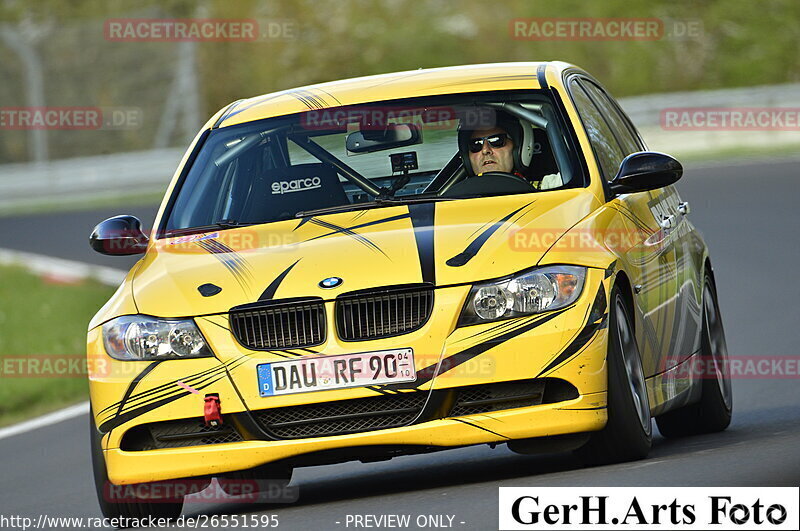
(568, 344)
(579, 415)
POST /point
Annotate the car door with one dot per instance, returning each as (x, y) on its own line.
(688, 268)
(650, 250)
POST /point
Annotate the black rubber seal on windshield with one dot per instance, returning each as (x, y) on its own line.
(540, 75)
(176, 191)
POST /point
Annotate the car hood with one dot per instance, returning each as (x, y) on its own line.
(444, 243)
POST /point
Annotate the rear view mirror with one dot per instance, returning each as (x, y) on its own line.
(120, 235)
(645, 170)
(395, 135)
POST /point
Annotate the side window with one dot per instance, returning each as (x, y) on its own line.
(605, 146)
(626, 138)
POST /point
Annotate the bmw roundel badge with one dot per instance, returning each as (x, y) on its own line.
(331, 282)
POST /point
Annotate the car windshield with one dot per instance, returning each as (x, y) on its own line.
(369, 156)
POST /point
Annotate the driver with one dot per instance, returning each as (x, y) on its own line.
(491, 148)
(507, 146)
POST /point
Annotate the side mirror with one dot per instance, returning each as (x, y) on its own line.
(120, 235)
(395, 135)
(645, 170)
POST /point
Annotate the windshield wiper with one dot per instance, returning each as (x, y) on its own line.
(223, 224)
(229, 224)
(377, 203)
(415, 199)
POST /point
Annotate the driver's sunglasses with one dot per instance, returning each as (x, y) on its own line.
(496, 141)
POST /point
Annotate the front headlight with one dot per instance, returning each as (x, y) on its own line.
(144, 338)
(541, 290)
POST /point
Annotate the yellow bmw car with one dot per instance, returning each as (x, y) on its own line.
(404, 263)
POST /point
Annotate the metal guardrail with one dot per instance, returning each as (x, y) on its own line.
(136, 173)
(87, 178)
(645, 111)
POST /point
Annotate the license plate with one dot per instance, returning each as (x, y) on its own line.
(336, 372)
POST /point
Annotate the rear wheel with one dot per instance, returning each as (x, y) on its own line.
(628, 433)
(713, 412)
(125, 507)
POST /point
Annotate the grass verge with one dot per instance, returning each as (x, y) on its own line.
(42, 321)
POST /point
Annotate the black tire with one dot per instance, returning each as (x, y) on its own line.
(628, 435)
(126, 509)
(714, 410)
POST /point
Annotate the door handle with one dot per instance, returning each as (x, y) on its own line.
(683, 208)
(667, 222)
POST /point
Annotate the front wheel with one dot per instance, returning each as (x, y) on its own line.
(628, 435)
(713, 412)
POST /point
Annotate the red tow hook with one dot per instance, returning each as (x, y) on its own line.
(212, 411)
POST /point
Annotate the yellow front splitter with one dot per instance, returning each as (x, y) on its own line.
(585, 413)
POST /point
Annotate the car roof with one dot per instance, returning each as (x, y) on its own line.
(397, 85)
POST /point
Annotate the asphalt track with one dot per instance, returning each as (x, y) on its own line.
(749, 216)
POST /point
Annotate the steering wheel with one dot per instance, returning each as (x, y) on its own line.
(505, 175)
(490, 183)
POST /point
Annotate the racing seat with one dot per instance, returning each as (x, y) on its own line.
(282, 192)
(543, 172)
